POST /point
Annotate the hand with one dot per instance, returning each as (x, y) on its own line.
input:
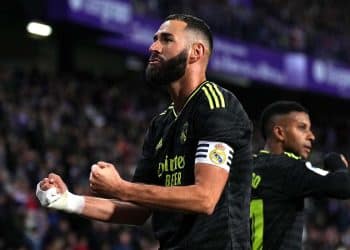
(334, 162)
(105, 180)
(53, 180)
(52, 192)
(50, 189)
(343, 158)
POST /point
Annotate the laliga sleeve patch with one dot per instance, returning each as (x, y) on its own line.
(214, 153)
(316, 170)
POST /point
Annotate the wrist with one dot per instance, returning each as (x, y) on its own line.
(75, 203)
(123, 190)
(69, 202)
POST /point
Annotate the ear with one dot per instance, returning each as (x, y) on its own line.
(279, 133)
(197, 51)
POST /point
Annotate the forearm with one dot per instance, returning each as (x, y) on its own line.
(193, 198)
(93, 207)
(114, 211)
(184, 198)
(52, 192)
(200, 197)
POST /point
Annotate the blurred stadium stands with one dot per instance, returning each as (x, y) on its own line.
(67, 101)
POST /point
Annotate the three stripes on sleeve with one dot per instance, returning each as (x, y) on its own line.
(214, 96)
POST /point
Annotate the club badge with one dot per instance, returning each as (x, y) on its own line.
(218, 154)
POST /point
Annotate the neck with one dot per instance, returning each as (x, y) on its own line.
(273, 147)
(180, 90)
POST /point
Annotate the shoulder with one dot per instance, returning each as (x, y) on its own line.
(214, 99)
(280, 161)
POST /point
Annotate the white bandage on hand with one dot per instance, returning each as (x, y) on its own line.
(67, 201)
(48, 196)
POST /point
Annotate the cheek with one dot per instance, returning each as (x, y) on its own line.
(294, 140)
(299, 144)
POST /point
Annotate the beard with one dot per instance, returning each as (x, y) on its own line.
(166, 71)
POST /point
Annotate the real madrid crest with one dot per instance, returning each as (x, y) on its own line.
(183, 135)
(218, 155)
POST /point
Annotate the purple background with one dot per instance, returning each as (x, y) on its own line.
(230, 57)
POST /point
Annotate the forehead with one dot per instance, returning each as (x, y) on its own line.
(172, 27)
(296, 117)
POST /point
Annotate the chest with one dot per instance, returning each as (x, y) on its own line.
(174, 152)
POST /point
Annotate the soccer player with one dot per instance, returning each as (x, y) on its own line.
(194, 176)
(282, 178)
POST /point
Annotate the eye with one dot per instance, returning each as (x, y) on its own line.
(167, 39)
(302, 127)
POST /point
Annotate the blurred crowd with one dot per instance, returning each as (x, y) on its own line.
(65, 123)
(317, 28)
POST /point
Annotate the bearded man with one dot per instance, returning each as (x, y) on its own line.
(194, 176)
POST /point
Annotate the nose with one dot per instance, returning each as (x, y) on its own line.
(311, 136)
(155, 47)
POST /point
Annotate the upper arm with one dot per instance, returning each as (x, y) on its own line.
(213, 162)
(212, 179)
(212, 165)
(229, 125)
(221, 133)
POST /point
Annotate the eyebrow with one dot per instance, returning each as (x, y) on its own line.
(304, 124)
(162, 34)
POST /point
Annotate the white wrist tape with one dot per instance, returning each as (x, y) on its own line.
(67, 201)
(48, 196)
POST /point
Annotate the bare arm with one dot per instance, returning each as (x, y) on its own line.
(102, 209)
(201, 197)
(109, 210)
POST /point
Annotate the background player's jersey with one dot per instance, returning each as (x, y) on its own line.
(211, 114)
(279, 185)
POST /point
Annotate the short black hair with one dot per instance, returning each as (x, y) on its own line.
(277, 108)
(196, 24)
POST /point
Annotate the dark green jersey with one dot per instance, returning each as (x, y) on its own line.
(212, 128)
(279, 185)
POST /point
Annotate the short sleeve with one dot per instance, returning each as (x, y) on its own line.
(229, 125)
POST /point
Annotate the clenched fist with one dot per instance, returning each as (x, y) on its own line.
(106, 181)
(52, 192)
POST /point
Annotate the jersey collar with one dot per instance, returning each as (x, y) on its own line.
(194, 92)
(289, 154)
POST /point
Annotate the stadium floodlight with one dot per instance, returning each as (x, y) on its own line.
(39, 29)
